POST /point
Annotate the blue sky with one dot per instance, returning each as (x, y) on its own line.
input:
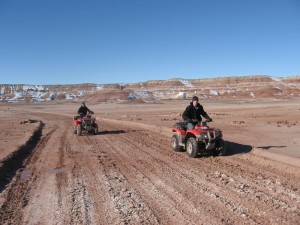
(125, 41)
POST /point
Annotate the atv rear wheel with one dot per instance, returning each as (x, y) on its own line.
(220, 148)
(79, 129)
(192, 147)
(175, 144)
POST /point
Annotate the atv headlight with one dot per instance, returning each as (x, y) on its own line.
(203, 136)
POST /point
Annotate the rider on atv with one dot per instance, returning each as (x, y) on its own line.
(193, 113)
(83, 110)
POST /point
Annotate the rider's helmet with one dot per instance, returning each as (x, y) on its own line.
(195, 98)
(82, 103)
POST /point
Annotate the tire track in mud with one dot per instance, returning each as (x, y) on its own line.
(74, 205)
(160, 187)
(176, 192)
(87, 191)
(258, 196)
(162, 197)
(270, 196)
(124, 199)
(18, 191)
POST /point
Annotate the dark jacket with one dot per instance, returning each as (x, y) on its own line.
(84, 110)
(194, 113)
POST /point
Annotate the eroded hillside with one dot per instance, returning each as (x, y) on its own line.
(226, 87)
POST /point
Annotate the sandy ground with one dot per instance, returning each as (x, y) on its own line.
(128, 173)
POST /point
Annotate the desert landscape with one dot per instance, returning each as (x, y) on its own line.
(128, 172)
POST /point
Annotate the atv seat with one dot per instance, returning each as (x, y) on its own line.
(181, 125)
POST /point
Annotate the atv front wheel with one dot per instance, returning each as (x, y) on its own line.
(96, 129)
(79, 129)
(175, 144)
(192, 147)
(220, 148)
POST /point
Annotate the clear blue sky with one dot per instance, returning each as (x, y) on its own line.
(125, 41)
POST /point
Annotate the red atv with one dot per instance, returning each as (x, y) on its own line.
(200, 140)
(85, 124)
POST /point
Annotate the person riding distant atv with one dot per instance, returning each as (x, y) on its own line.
(83, 110)
(193, 112)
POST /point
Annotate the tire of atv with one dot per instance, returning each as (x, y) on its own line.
(192, 147)
(96, 129)
(175, 144)
(79, 130)
(74, 130)
(220, 148)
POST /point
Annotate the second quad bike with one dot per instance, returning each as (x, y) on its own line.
(200, 140)
(85, 124)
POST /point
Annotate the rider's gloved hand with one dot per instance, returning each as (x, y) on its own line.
(209, 120)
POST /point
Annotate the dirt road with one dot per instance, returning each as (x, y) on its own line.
(129, 175)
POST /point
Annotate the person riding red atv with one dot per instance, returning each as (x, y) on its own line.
(85, 124)
(199, 140)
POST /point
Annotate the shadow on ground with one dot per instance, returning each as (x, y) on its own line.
(236, 148)
(111, 132)
(268, 147)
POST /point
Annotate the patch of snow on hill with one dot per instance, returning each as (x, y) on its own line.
(230, 89)
(99, 87)
(18, 95)
(13, 88)
(70, 97)
(2, 90)
(52, 96)
(276, 79)
(38, 99)
(252, 94)
(80, 93)
(214, 92)
(138, 95)
(186, 83)
(36, 95)
(33, 88)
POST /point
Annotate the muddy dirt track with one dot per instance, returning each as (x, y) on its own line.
(130, 175)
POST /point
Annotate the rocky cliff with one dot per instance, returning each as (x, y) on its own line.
(224, 87)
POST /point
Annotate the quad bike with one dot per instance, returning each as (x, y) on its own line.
(85, 124)
(200, 140)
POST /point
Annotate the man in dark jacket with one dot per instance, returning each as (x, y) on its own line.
(83, 110)
(193, 113)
